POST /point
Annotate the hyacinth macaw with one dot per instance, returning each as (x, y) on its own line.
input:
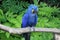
(29, 19)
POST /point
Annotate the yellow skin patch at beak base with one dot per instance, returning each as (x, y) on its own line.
(32, 10)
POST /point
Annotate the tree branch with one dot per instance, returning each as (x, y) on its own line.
(28, 29)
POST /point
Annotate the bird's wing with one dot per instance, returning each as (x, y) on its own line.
(24, 21)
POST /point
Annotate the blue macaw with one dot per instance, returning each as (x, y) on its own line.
(29, 19)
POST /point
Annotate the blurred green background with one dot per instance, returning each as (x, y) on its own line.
(11, 12)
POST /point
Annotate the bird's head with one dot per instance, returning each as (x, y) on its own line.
(33, 9)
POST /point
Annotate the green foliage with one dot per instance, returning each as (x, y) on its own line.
(2, 16)
(14, 5)
(47, 14)
(41, 36)
(42, 4)
(14, 20)
(48, 11)
(35, 2)
(7, 34)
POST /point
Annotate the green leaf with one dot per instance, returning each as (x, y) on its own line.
(2, 16)
(2, 31)
(35, 2)
(7, 24)
(7, 34)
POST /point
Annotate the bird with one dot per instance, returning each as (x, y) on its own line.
(29, 19)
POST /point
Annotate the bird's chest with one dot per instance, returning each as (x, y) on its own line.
(31, 19)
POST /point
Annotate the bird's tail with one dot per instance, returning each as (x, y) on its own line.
(26, 36)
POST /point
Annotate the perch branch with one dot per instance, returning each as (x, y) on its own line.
(28, 29)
